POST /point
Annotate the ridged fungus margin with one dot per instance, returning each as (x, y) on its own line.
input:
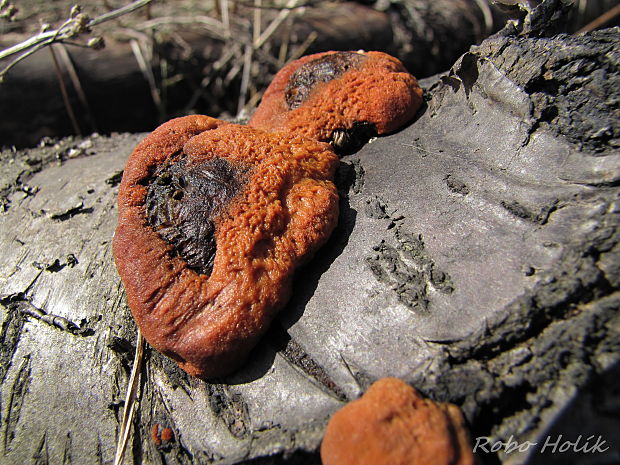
(343, 98)
(213, 220)
(391, 424)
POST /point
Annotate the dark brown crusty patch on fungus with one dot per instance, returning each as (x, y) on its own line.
(391, 424)
(329, 96)
(277, 207)
(182, 202)
(320, 70)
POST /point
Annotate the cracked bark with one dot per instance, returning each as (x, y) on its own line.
(498, 214)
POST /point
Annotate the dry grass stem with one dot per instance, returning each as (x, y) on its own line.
(273, 26)
(214, 27)
(21, 57)
(232, 73)
(487, 15)
(257, 21)
(119, 12)
(65, 95)
(286, 40)
(598, 22)
(134, 34)
(225, 17)
(131, 399)
(143, 63)
(254, 99)
(77, 85)
(271, 6)
(301, 49)
(245, 78)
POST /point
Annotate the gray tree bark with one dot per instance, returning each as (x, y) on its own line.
(476, 257)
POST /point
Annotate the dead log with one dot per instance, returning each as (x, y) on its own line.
(476, 258)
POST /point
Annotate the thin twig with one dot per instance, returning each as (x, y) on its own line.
(487, 15)
(245, 77)
(286, 40)
(231, 53)
(225, 17)
(180, 42)
(77, 85)
(257, 21)
(232, 73)
(21, 57)
(65, 95)
(272, 7)
(211, 25)
(266, 58)
(133, 33)
(301, 49)
(136, 48)
(582, 6)
(69, 29)
(131, 400)
(601, 20)
(43, 38)
(254, 99)
(273, 26)
(118, 13)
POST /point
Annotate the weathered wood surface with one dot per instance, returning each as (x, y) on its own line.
(477, 258)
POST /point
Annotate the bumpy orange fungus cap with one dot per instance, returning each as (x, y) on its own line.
(392, 425)
(340, 97)
(213, 220)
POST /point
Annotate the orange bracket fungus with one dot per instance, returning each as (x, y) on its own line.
(392, 425)
(213, 219)
(343, 98)
(161, 436)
